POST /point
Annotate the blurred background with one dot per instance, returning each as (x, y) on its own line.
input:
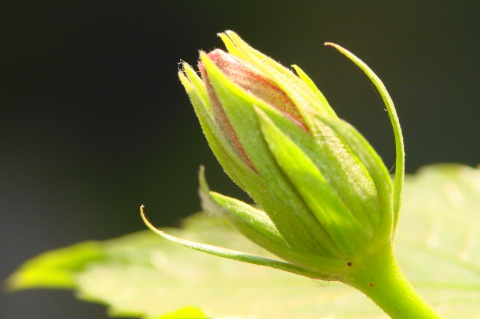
(94, 122)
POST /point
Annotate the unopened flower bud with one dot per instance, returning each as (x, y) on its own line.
(325, 196)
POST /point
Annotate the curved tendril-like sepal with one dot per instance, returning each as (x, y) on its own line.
(232, 254)
(397, 131)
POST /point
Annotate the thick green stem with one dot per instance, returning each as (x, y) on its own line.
(379, 276)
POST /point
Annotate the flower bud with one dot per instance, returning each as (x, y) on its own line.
(325, 196)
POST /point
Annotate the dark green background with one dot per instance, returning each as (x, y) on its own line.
(94, 122)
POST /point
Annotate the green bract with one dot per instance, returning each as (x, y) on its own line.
(324, 194)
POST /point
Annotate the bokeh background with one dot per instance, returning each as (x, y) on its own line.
(93, 121)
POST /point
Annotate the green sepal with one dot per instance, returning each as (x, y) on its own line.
(258, 227)
(276, 195)
(233, 254)
(248, 221)
(254, 218)
(376, 169)
(397, 131)
(233, 166)
(305, 78)
(344, 229)
(237, 212)
(197, 84)
(340, 166)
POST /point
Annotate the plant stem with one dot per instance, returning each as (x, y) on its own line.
(379, 276)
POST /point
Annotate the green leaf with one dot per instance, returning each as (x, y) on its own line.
(439, 237)
(187, 312)
(57, 268)
(438, 244)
